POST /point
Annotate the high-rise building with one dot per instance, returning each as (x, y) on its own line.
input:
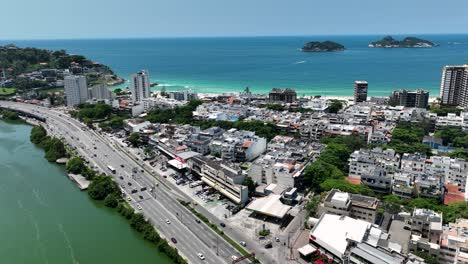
(140, 86)
(418, 98)
(100, 92)
(76, 89)
(454, 86)
(360, 91)
(278, 95)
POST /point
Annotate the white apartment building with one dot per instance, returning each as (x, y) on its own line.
(454, 243)
(140, 86)
(100, 92)
(361, 161)
(76, 89)
(238, 145)
(453, 171)
(453, 120)
(413, 163)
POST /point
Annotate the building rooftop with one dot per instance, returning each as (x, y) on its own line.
(270, 205)
(334, 232)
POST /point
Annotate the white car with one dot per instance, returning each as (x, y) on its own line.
(129, 199)
(234, 258)
(139, 207)
(200, 255)
(168, 222)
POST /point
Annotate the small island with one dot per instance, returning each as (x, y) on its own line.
(326, 46)
(408, 42)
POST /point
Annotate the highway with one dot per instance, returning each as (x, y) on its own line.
(159, 205)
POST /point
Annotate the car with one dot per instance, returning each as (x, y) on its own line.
(142, 171)
(277, 239)
(95, 148)
(122, 166)
(174, 240)
(134, 191)
(123, 186)
(139, 207)
(222, 224)
(168, 222)
(268, 245)
(95, 155)
(121, 177)
(143, 189)
(234, 258)
(200, 255)
(243, 243)
(129, 184)
(197, 220)
(129, 198)
(141, 197)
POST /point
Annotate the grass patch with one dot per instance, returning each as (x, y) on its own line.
(7, 91)
(215, 228)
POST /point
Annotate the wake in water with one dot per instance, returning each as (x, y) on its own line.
(69, 245)
(39, 198)
(300, 62)
(37, 230)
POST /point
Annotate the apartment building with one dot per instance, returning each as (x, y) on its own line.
(360, 91)
(454, 86)
(454, 243)
(76, 89)
(352, 205)
(418, 98)
(361, 161)
(238, 145)
(377, 179)
(224, 177)
(278, 95)
(140, 86)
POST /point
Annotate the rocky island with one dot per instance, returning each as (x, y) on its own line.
(408, 42)
(326, 46)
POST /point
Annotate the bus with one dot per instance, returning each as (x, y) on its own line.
(111, 168)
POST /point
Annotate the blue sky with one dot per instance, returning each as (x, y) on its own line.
(46, 19)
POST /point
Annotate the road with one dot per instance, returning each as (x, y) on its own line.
(158, 205)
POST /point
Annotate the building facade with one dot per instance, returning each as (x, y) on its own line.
(76, 89)
(418, 98)
(140, 86)
(278, 95)
(360, 91)
(454, 86)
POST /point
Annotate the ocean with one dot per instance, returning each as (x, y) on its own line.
(216, 65)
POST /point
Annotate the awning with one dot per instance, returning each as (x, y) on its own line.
(270, 205)
(306, 250)
(177, 164)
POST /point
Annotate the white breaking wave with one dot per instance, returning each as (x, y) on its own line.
(300, 62)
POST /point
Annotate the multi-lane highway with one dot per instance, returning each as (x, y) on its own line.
(160, 205)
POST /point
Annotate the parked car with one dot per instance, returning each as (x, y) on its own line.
(268, 245)
(222, 224)
(174, 240)
(200, 255)
(243, 243)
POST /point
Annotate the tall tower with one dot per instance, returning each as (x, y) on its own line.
(360, 91)
(76, 89)
(454, 86)
(140, 86)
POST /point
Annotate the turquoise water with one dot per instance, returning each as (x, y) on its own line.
(46, 219)
(231, 64)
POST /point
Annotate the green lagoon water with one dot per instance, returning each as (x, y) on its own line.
(44, 218)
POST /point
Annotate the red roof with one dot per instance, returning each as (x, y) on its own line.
(247, 144)
(453, 194)
(353, 180)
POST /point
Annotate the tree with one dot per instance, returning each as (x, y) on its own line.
(345, 186)
(111, 200)
(134, 139)
(54, 149)
(138, 222)
(75, 165)
(428, 258)
(250, 185)
(335, 106)
(459, 153)
(101, 187)
(38, 134)
(9, 115)
(319, 171)
(312, 206)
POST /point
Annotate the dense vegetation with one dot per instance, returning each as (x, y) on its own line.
(54, 147)
(92, 112)
(453, 135)
(335, 106)
(101, 187)
(317, 46)
(407, 138)
(9, 115)
(445, 110)
(408, 42)
(330, 168)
